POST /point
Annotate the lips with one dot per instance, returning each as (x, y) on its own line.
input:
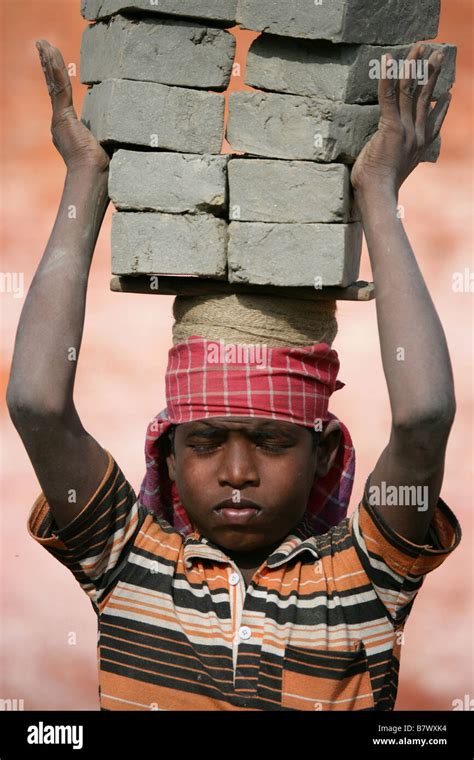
(237, 513)
(239, 516)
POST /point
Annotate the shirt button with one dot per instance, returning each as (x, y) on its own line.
(234, 579)
(245, 632)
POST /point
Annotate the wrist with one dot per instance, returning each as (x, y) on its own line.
(376, 197)
(89, 182)
(88, 173)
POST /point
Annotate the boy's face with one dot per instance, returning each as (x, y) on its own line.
(270, 463)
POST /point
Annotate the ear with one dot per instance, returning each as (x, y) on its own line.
(328, 448)
(170, 461)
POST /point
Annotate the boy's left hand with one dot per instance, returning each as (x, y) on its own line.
(407, 126)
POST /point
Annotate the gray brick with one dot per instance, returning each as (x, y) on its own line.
(157, 50)
(263, 190)
(294, 127)
(169, 182)
(293, 255)
(123, 111)
(323, 69)
(154, 243)
(369, 21)
(220, 11)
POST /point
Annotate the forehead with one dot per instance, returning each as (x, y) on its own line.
(243, 424)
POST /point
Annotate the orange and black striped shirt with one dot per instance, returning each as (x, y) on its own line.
(319, 627)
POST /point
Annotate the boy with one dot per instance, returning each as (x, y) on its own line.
(252, 609)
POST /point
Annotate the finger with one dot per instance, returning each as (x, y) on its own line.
(425, 96)
(59, 84)
(62, 95)
(45, 64)
(407, 87)
(387, 93)
(436, 117)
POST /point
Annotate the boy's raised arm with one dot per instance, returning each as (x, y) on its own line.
(68, 462)
(414, 352)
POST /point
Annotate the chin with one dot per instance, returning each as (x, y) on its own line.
(238, 539)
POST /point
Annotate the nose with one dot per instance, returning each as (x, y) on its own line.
(237, 466)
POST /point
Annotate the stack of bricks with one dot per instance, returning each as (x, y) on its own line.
(281, 213)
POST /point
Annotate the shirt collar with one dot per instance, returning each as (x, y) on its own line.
(301, 538)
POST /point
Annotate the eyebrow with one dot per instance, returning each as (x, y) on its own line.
(266, 431)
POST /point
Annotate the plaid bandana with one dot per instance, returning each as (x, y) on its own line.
(207, 378)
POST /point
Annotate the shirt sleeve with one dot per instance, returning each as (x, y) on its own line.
(395, 566)
(94, 546)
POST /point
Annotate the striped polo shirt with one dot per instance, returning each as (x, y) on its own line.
(319, 627)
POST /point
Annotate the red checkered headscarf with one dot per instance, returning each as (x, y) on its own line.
(207, 378)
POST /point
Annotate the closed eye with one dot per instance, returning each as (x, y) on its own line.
(211, 448)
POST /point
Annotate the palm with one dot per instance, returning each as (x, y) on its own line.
(378, 157)
(76, 144)
(406, 128)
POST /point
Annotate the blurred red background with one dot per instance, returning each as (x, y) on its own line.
(48, 628)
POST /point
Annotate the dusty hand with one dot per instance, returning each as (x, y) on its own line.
(407, 126)
(76, 144)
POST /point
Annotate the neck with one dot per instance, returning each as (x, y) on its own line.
(251, 560)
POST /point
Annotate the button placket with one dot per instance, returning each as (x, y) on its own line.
(236, 608)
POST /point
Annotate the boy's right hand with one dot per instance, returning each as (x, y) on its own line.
(76, 144)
